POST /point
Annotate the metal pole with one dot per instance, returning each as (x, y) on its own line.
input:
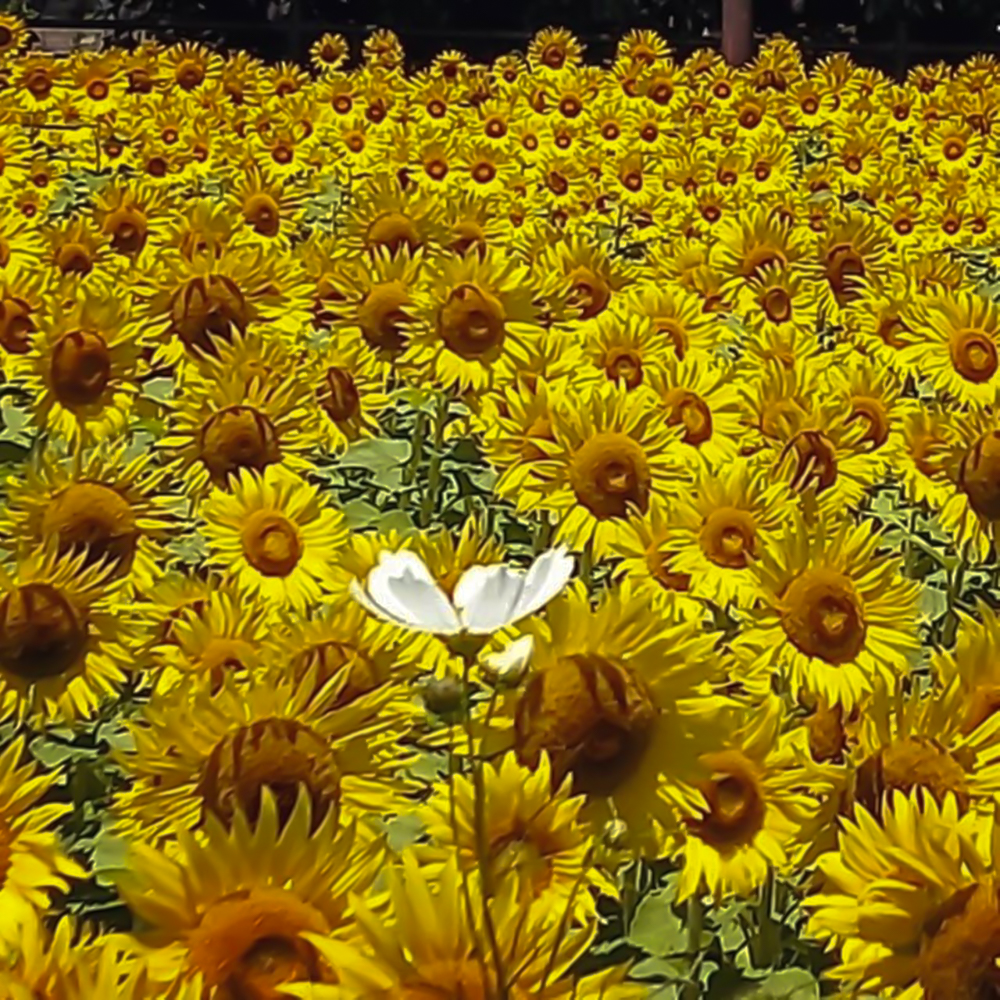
(737, 31)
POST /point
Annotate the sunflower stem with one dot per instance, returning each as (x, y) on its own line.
(587, 565)
(431, 494)
(417, 453)
(768, 943)
(695, 924)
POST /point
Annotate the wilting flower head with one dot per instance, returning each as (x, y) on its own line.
(401, 589)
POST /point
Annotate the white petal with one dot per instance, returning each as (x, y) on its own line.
(548, 574)
(486, 597)
(402, 589)
(509, 665)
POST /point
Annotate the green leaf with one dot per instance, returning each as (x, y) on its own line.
(159, 389)
(360, 514)
(402, 831)
(789, 984)
(673, 970)
(656, 928)
(50, 753)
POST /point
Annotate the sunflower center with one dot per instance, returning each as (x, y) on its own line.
(827, 735)
(554, 55)
(382, 316)
(128, 229)
(688, 410)
(271, 543)
(392, 231)
(263, 214)
(206, 308)
(815, 461)
(471, 322)
(95, 519)
(468, 234)
(6, 36)
(979, 476)
(588, 291)
(339, 395)
(39, 83)
(609, 473)
(16, 325)
(953, 149)
(959, 951)
(224, 655)
(735, 802)
(759, 257)
(870, 413)
(777, 305)
(80, 368)
(41, 634)
(249, 943)
(909, 763)
(592, 715)
(625, 365)
(844, 269)
(238, 437)
(279, 754)
(729, 537)
(823, 616)
(984, 703)
(190, 74)
(675, 333)
(973, 355)
(74, 258)
(450, 979)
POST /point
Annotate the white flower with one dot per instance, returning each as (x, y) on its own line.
(400, 589)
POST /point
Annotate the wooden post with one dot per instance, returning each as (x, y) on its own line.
(737, 31)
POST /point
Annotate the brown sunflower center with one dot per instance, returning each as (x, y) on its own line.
(39, 83)
(961, 945)
(610, 472)
(815, 461)
(953, 148)
(471, 322)
(206, 308)
(190, 74)
(908, 763)
(592, 715)
(280, 754)
(41, 633)
(688, 410)
(97, 90)
(249, 944)
(74, 258)
(979, 476)
(271, 543)
(468, 234)
(735, 801)
(339, 396)
(127, 228)
(392, 231)
(777, 305)
(973, 355)
(728, 537)
(382, 316)
(845, 269)
(95, 519)
(624, 364)
(870, 414)
(263, 214)
(554, 55)
(823, 616)
(16, 325)
(588, 292)
(238, 437)
(80, 368)
(827, 735)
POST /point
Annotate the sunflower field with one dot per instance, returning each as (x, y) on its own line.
(491, 532)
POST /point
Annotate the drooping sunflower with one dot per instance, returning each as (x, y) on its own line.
(747, 814)
(229, 909)
(678, 315)
(273, 536)
(836, 616)
(927, 434)
(609, 454)
(34, 864)
(203, 752)
(468, 317)
(112, 509)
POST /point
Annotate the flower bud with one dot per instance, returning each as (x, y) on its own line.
(444, 696)
(506, 669)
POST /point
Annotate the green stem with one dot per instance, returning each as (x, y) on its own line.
(417, 454)
(630, 895)
(587, 564)
(430, 498)
(695, 923)
(767, 947)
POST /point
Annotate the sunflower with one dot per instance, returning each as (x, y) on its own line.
(877, 322)
(468, 316)
(34, 865)
(835, 616)
(269, 209)
(382, 216)
(131, 215)
(702, 402)
(273, 537)
(719, 526)
(957, 336)
(229, 908)
(329, 52)
(678, 316)
(910, 902)
(111, 509)
(746, 814)
(927, 434)
(623, 348)
(614, 694)
(223, 427)
(22, 300)
(609, 454)
(63, 644)
(554, 49)
(13, 35)
(582, 280)
(533, 832)
(191, 65)
(210, 753)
